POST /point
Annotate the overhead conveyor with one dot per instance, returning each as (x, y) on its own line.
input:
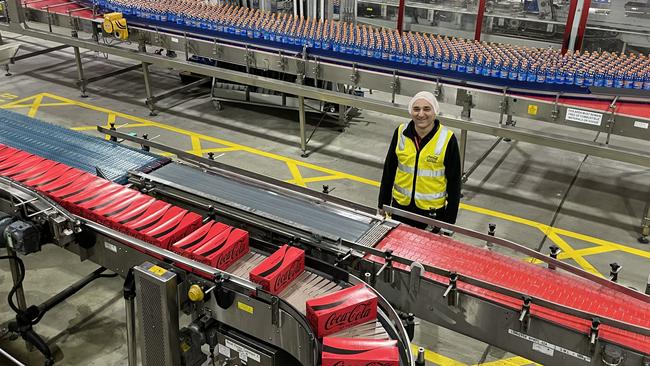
(163, 231)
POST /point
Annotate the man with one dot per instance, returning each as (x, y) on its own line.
(422, 167)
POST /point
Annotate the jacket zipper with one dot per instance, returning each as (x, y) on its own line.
(415, 173)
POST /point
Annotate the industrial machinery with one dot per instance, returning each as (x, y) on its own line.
(63, 190)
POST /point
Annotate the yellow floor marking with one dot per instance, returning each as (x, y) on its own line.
(580, 252)
(20, 101)
(220, 149)
(16, 106)
(513, 361)
(94, 128)
(6, 95)
(436, 358)
(566, 248)
(295, 173)
(196, 146)
(598, 241)
(544, 228)
(35, 105)
(504, 216)
(322, 178)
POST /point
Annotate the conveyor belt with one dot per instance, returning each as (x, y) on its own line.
(309, 285)
(73, 148)
(156, 222)
(292, 210)
(558, 287)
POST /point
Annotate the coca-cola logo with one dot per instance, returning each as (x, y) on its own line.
(371, 363)
(357, 313)
(288, 275)
(232, 255)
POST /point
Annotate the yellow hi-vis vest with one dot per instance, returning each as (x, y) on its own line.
(431, 182)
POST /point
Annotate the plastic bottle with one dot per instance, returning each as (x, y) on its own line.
(579, 77)
(619, 79)
(504, 70)
(523, 71)
(550, 75)
(487, 66)
(471, 64)
(531, 76)
(638, 80)
(646, 81)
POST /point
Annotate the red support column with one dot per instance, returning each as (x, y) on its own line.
(479, 20)
(569, 25)
(583, 25)
(400, 16)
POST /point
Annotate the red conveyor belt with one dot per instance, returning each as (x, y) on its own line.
(554, 286)
(634, 109)
(98, 199)
(60, 9)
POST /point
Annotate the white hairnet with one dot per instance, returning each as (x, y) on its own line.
(429, 97)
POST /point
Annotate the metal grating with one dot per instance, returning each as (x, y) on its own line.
(152, 318)
(374, 235)
(73, 148)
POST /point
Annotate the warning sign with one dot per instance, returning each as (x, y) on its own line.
(580, 116)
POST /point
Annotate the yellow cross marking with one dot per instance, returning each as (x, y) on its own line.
(581, 252)
(295, 173)
(35, 105)
(196, 146)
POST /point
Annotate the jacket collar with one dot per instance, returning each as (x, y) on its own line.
(409, 131)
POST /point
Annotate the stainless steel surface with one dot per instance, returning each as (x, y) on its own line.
(306, 214)
(157, 294)
(374, 235)
(129, 304)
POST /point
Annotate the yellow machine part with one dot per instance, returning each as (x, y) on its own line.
(115, 24)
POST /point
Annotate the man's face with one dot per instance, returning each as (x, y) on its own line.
(422, 114)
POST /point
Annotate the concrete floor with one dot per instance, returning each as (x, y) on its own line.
(591, 196)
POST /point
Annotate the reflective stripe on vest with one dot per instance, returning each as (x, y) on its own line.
(431, 182)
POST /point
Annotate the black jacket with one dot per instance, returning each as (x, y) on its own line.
(452, 172)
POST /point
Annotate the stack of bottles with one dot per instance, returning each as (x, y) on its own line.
(525, 64)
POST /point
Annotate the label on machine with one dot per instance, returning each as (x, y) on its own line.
(244, 353)
(548, 348)
(111, 247)
(580, 116)
(640, 124)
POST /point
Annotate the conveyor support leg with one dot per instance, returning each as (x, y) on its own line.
(301, 116)
(147, 87)
(463, 149)
(80, 72)
(645, 225)
(129, 298)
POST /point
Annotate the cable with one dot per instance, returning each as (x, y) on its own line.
(21, 277)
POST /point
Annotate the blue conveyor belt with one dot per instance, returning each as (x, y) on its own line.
(73, 148)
